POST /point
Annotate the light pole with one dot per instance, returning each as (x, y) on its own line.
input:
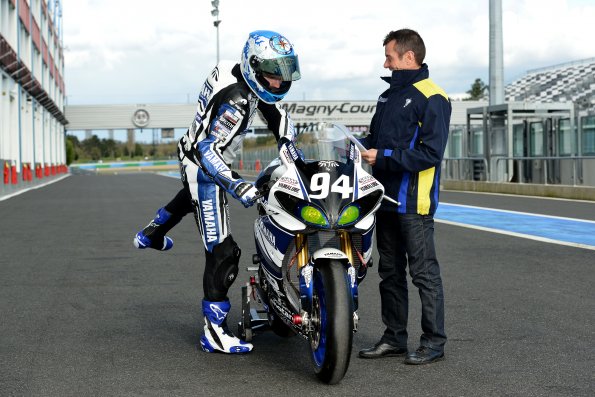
(215, 13)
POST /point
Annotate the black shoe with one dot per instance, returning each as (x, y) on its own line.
(424, 355)
(382, 349)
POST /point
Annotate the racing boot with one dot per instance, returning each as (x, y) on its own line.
(153, 236)
(217, 336)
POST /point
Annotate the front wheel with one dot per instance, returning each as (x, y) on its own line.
(332, 322)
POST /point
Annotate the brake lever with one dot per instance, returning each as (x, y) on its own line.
(391, 200)
(258, 196)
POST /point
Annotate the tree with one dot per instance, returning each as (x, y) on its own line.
(138, 150)
(478, 91)
(69, 151)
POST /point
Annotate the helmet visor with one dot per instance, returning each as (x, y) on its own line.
(287, 67)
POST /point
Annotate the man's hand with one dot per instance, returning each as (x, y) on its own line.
(369, 156)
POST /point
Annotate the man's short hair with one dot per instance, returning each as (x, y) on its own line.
(407, 40)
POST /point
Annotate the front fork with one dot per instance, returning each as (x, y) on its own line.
(306, 273)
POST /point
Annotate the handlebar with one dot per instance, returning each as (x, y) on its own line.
(257, 197)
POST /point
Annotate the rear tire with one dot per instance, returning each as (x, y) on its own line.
(332, 320)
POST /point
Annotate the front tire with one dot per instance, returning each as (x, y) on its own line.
(332, 321)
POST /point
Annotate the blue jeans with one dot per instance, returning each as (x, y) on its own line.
(408, 239)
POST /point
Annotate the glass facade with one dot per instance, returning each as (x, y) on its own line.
(476, 141)
(588, 132)
(455, 146)
(518, 131)
(566, 138)
(536, 142)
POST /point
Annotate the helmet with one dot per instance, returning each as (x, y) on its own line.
(271, 53)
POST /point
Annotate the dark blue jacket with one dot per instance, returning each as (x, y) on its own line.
(410, 130)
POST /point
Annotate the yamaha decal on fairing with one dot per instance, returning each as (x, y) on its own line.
(293, 151)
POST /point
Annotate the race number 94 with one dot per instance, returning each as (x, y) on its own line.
(320, 185)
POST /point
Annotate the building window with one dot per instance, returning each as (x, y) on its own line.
(454, 142)
(536, 135)
(476, 141)
(518, 147)
(566, 138)
(588, 129)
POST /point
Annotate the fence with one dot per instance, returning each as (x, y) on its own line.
(547, 170)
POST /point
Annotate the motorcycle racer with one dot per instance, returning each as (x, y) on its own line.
(227, 104)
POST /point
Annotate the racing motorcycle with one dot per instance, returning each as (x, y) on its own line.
(313, 240)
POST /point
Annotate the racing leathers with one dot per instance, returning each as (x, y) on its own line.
(225, 110)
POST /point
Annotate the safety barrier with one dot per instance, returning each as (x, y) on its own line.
(29, 176)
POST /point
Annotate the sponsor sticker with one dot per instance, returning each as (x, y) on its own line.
(215, 161)
(280, 44)
(292, 189)
(266, 233)
(289, 181)
(307, 274)
(367, 182)
(293, 152)
(209, 221)
(328, 164)
(205, 94)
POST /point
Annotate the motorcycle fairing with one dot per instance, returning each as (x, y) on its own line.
(272, 242)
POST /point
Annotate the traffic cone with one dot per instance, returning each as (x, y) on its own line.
(13, 174)
(6, 173)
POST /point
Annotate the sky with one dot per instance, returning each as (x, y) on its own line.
(149, 51)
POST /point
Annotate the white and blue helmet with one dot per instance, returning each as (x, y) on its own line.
(269, 52)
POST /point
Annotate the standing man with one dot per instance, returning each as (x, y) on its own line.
(227, 104)
(406, 144)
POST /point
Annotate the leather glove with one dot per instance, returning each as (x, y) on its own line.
(246, 192)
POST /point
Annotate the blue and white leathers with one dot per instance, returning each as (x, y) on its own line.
(225, 110)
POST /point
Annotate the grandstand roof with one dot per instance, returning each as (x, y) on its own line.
(568, 82)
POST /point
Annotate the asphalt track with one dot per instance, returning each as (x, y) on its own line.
(83, 313)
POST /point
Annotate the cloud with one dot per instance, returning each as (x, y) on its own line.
(122, 51)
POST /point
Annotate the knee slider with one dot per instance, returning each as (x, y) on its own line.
(223, 269)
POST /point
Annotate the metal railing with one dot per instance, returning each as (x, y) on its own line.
(549, 176)
(547, 170)
(465, 168)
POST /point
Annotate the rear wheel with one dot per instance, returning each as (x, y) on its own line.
(332, 322)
